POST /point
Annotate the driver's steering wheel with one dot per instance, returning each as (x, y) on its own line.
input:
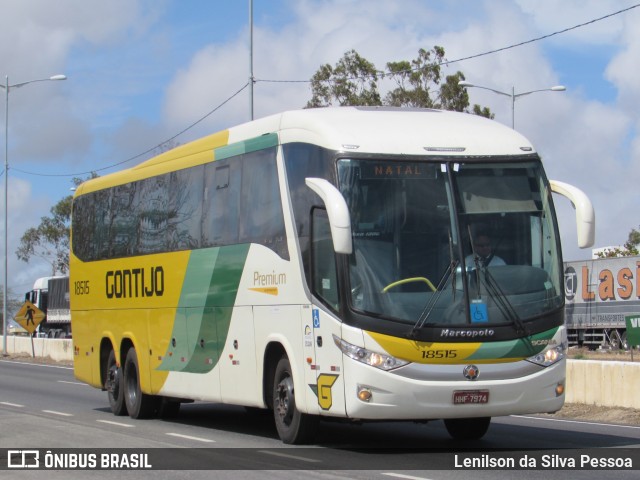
(409, 280)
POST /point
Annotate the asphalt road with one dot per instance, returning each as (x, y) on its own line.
(45, 408)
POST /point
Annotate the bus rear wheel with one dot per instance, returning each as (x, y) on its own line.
(467, 428)
(293, 426)
(139, 405)
(114, 386)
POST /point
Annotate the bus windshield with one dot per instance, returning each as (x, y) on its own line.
(451, 243)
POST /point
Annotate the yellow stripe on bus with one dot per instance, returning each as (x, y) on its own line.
(426, 352)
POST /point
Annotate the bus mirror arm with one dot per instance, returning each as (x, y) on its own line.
(338, 213)
(585, 215)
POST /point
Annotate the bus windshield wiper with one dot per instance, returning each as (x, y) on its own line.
(483, 275)
(496, 293)
(426, 312)
(450, 272)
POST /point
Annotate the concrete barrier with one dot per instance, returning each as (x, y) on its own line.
(58, 349)
(605, 384)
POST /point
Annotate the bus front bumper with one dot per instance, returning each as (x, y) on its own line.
(374, 394)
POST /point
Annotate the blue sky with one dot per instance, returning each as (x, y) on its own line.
(140, 71)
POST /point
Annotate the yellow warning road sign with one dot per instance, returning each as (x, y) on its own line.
(29, 316)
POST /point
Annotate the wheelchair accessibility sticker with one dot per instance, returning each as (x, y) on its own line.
(479, 312)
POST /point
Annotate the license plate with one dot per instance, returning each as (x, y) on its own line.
(463, 397)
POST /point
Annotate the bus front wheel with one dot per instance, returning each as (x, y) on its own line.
(467, 428)
(293, 426)
(115, 386)
(139, 405)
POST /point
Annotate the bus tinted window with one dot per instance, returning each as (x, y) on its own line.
(150, 215)
(222, 203)
(185, 209)
(235, 200)
(261, 215)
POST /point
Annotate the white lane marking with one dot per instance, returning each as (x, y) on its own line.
(73, 383)
(117, 424)
(293, 457)
(9, 404)
(400, 475)
(37, 364)
(575, 421)
(62, 414)
(188, 437)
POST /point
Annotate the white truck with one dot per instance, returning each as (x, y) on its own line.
(51, 295)
(599, 294)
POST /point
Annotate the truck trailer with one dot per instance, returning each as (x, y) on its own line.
(599, 294)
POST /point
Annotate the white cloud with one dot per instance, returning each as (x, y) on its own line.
(213, 75)
(622, 70)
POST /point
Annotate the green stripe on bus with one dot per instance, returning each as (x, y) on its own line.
(253, 144)
(529, 346)
(520, 348)
(223, 290)
(204, 313)
(197, 280)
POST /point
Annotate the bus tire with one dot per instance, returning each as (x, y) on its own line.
(293, 426)
(114, 386)
(467, 428)
(139, 405)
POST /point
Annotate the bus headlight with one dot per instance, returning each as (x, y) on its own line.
(549, 355)
(374, 359)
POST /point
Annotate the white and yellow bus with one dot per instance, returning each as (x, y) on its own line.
(326, 263)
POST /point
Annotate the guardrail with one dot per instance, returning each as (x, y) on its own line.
(593, 382)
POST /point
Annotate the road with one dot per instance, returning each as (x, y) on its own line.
(44, 407)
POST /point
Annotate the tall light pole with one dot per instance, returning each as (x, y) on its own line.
(7, 89)
(513, 95)
(252, 79)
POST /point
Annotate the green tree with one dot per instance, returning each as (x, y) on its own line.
(354, 81)
(49, 241)
(629, 249)
(416, 79)
(454, 97)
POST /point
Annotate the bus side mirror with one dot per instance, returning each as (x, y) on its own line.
(585, 215)
(337, 211)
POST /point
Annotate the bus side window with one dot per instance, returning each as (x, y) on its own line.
(324, 275)
(223, 180)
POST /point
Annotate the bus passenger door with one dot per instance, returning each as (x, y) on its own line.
(327, 358)
(323, 362)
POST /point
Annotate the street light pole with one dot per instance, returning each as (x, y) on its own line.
(5, 324)
(252, 80)
(5, 299)
(513, 95)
